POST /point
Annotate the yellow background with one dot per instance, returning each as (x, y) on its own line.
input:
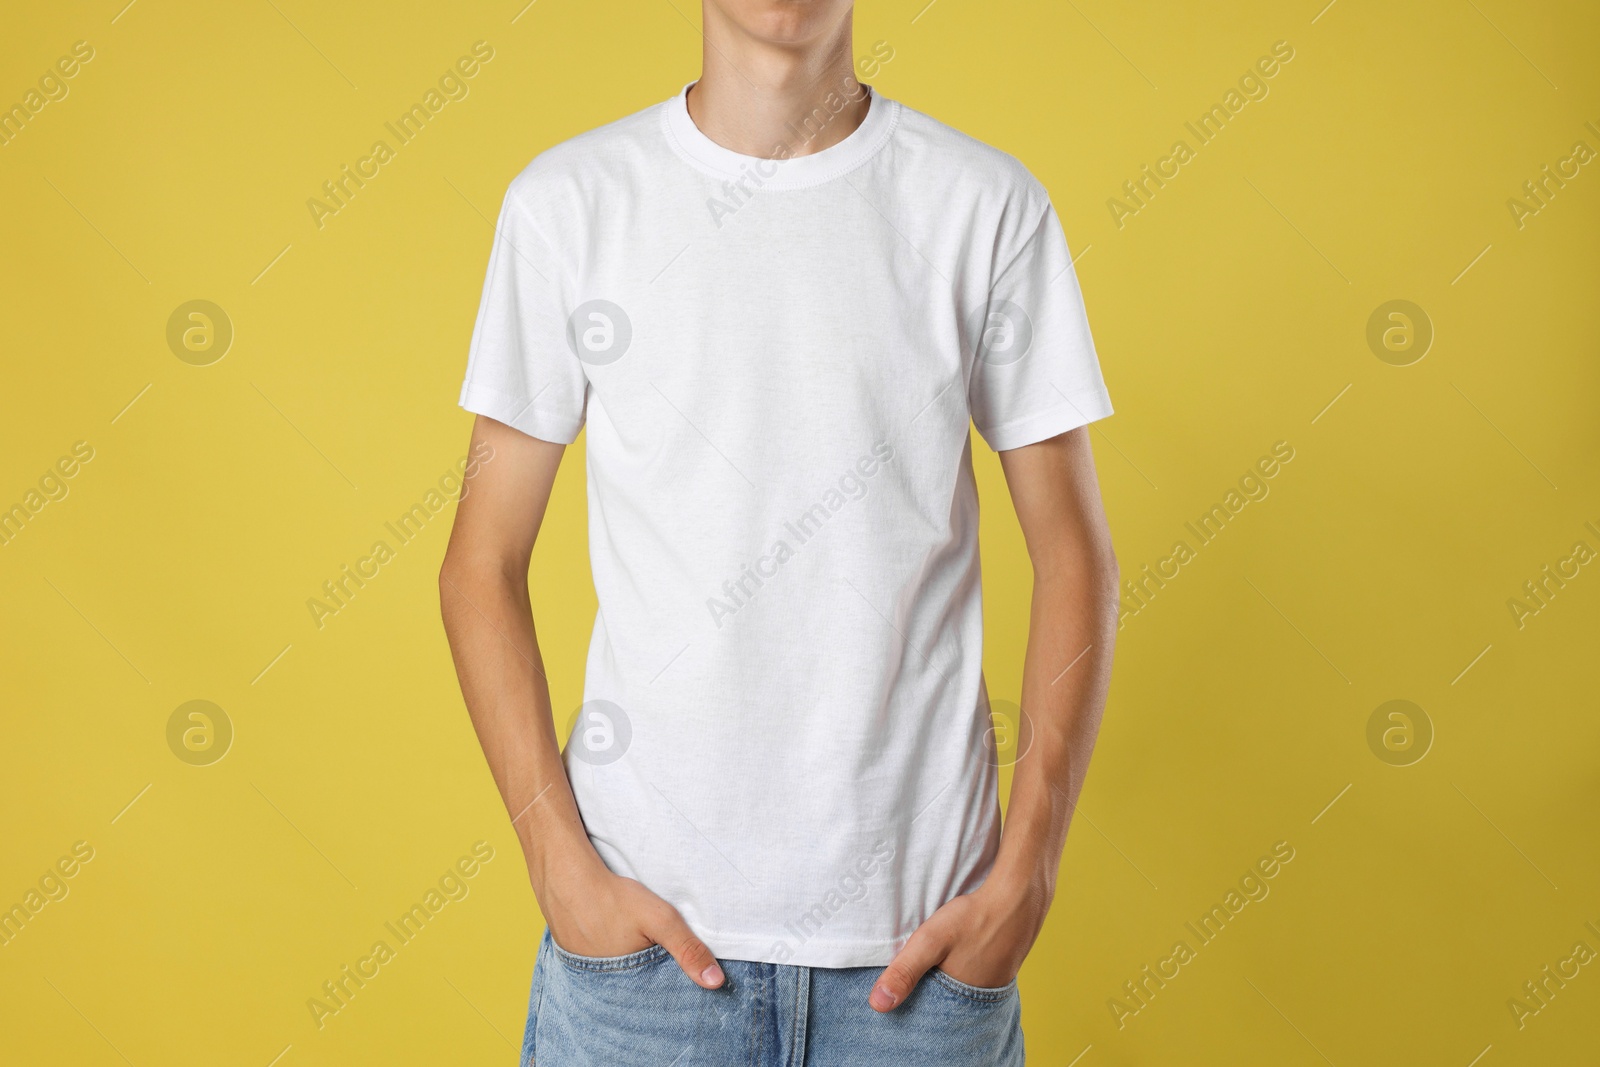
(1228, 312)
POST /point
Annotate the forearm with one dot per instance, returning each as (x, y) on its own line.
(1071, 634)
(489, 621)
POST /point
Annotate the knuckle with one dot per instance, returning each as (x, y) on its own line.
(694, 954)
(666, 919)
(900, 977)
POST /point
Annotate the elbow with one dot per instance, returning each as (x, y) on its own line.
(454, 576)
(446, 584)
(448, 569)
(1111, 582)
(467, 576)
(1087, 577)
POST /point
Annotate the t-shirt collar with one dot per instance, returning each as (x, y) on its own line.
(713, 159)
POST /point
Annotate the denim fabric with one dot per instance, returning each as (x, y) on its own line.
(642, 1009)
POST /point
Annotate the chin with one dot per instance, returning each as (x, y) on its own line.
(784, 22)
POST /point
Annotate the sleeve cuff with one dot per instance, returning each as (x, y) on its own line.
(1072, 412)
(519, 414)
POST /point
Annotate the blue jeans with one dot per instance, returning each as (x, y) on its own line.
(642, 1009)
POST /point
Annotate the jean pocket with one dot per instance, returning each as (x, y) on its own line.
(631, 962)
(977, 993)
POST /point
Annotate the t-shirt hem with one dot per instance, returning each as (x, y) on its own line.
(812, 953)
(519, 414)
(1071, 413)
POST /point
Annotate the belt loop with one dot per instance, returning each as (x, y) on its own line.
(802, 1010)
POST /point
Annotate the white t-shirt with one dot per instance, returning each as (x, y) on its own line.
(784, 728)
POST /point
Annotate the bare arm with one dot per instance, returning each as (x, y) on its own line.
(488, 617)
(1071, 634)
(983, 937)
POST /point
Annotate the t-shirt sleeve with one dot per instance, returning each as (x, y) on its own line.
(1034, 373)
(520, 369)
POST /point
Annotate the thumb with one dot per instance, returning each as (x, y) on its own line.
(673, 934)
(926, 947)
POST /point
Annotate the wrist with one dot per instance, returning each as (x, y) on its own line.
(561, 860)
(1023, 883)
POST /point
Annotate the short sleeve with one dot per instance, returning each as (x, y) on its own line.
(520, 369)
(1034, 372)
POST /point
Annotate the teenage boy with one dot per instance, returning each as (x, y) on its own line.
(777, 301)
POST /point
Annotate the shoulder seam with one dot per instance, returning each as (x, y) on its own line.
(538, 231)
(1033, 235)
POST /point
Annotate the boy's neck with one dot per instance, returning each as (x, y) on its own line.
(755, 98)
